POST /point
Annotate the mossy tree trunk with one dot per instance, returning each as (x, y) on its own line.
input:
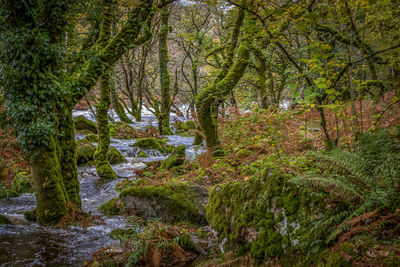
(67, 156)
(50, 192)
(103, 167)
(260, 66)
(226, 79)
(118, 107)
(163, 115)
(40, 99)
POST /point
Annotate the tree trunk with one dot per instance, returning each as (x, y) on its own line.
(103, 166)
(225, 81)
(51, 196)
(163, 117)
(67, 156)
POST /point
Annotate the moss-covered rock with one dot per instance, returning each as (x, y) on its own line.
(115, 157)
(150, 143)
(30, 215)
(189, 125)
(4, 220)
(92, 138)
(265, 215)
(154, 143)
(85, 152)
(83, 124)
(122, 130)
(176, 158)
(170, 203)
(142, 154)
(113, 206)
(183, 126)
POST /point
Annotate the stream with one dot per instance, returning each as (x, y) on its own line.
(29, 244)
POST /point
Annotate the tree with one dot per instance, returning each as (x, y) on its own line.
(228, 76)
(103, 166)
(164, 112)
(40, 90)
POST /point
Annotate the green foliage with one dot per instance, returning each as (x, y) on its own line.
(30, 215)
(176, 158)
(21, 183)
(364, 181)
(112, 207)
(4, 220)
(83, 124)
(92, 138)
(264, 214)
(115, 157)
(154, 143)
(174, 203)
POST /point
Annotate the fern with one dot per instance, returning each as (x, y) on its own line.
(365, 181)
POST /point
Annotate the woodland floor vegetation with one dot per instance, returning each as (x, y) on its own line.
(200, 133)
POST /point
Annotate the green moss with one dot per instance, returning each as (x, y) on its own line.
(218, 153)
(177, 158)
(22, 183)
(30, 215)
(85, 152)
(154, 143)
(92, 138)
(115, 157)
(150, 143)
(243, 153)
(148, 174)
(122, 130)
(181, 126)
(189, 125)
(112, 207)
(4, 220)
(142, 154)
(250, 213)
(116, 233)
(173, 203)
(83, 124)
(123, 184)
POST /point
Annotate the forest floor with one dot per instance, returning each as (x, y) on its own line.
(249, 141)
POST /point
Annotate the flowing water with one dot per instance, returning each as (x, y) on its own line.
(29, 244)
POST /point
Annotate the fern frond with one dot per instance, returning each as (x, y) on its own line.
(344, 191)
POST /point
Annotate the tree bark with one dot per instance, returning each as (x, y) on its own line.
(163, 116)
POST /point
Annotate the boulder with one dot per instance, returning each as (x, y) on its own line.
(170, 203)
(113, 206)
(265, 215)
(86, 150)
(176, 158)
(4, 220)
(83, 124)
(114, 156)
(154, 143)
